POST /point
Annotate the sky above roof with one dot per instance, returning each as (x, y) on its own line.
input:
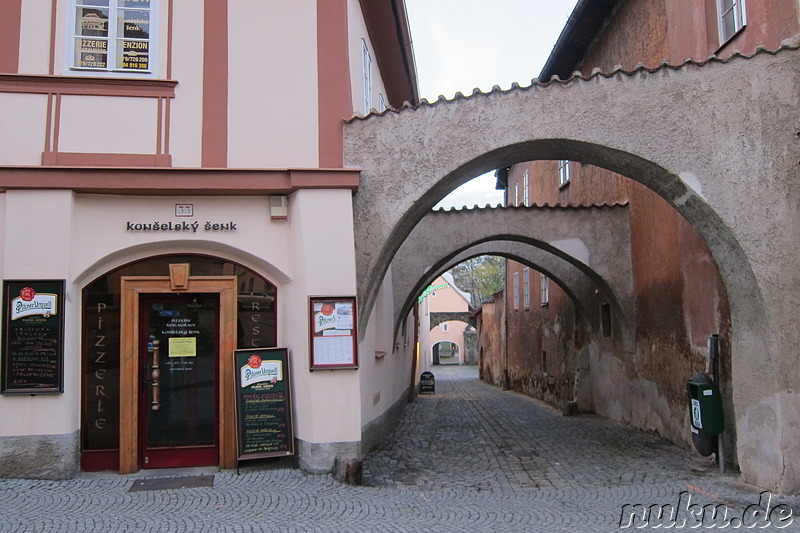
(460, 45)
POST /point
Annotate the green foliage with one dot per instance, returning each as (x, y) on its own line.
(480, 276)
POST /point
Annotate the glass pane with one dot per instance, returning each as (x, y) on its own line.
(91, 22)
(133, 24)
(186, 331)
(729, 24)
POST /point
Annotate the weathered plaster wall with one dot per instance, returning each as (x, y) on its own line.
(491, 341)
(542, 359)
(679, 301)
(720, 191)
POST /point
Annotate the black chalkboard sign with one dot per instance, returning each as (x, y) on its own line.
(263, 403)
(33, 337)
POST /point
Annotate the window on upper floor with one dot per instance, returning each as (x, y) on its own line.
(526, 288)
(731, 18)
(563, 172)
(525, 189)
(366, 61)
(113, 36)
(545, 290)
(516, 194)
(445, 327)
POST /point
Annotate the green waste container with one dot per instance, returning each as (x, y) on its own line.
(705, 405)
(705, 413)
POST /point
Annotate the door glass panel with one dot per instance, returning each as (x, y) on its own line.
(180, 409)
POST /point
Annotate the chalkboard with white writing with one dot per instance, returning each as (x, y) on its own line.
(33, 337)
(263, 403)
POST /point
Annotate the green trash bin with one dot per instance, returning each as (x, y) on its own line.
(705, 413)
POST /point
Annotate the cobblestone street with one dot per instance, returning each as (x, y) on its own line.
(469, 458)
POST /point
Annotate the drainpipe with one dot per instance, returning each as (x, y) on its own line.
(505, 327)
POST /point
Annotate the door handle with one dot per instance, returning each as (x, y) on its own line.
(155, 373)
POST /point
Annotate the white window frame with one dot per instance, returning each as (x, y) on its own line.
(735, 9)
(113, 68)
(563, 172)
(445, 327)
(516, 291)
(545, 287)
(516, 194)
(366, 82)
(526, 288)
(525, 189)
(381, 102)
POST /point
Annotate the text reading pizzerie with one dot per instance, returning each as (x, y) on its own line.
(180, 226)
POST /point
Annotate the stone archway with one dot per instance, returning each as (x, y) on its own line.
(679, 131)
(568, 244)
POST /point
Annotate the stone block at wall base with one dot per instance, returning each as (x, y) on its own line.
(40, 456)
(348, 470)
(320, 458)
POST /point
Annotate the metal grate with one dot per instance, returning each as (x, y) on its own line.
(167, 483)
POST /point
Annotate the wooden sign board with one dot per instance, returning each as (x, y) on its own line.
(263, 403)
(33, 337)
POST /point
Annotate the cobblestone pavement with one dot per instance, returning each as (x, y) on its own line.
(469, 458)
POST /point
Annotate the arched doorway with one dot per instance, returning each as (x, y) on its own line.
(157, 338)
(446, 353)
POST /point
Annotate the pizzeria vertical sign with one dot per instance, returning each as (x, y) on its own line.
(33, 337)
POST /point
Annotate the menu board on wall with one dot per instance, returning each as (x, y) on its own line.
(33, 337)
(263, 403)
(333, 333)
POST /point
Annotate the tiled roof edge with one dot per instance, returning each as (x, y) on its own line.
(488, 207)
(792, 43)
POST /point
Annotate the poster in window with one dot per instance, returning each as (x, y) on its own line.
(33, 337)
(134, 48)
(135, 55)
(91, 53)
(333, 332)
(135, 24)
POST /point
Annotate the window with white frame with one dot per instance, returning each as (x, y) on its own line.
(381, 102)
(563, 172)
(113, 35)
(366, 60)
(445, 327)
(526, 288)
(516, 291)
(516, 194)
(731, 18)
(545, 286)
(525, 189)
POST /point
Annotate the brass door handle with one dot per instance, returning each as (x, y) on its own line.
(155, 373)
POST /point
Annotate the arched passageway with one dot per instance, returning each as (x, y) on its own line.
(665, 129)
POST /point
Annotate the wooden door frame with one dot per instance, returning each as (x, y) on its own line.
(131, 288)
